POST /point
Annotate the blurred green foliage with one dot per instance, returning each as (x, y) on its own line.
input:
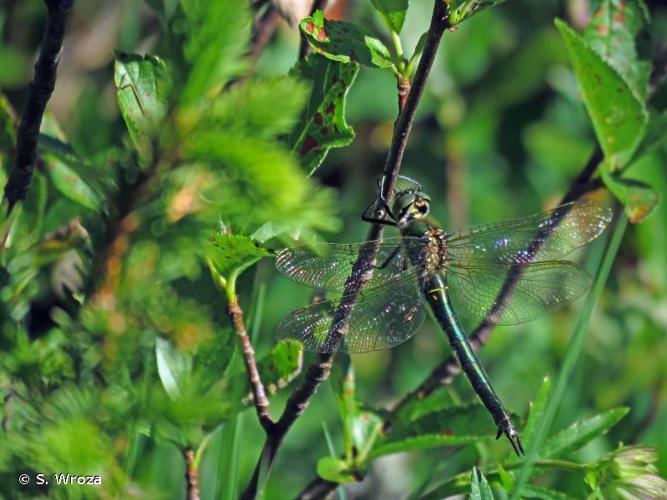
(171, 163)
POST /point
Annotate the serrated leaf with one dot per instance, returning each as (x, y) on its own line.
(479, 486)
(392, 12)
(230, 252)
(334, 469)
(619, 117)
(218, 34)
(536, 411)
(582, 432)
(172, 366)
(262, 107)
(415, 407)
(344, 42)
(638, 198)
(538, 492)
(143, 86)
(452, 426)
(322, 125)
(612, 33)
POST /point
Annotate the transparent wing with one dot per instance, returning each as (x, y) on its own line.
(540, 288)
(381, 317)
(328, 266)
(541, 237)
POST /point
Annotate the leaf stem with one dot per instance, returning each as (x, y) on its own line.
(319, 371)
(39, 93)
(191, 475)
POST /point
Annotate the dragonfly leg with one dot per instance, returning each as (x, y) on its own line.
(382, 215)
(391, 257)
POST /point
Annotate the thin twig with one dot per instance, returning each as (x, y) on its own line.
(362, 268)
(191, 475)
(260, 399)
(39, 93)
(263, 29)
(304, 46)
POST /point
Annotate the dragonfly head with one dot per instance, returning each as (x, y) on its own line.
(410, 205)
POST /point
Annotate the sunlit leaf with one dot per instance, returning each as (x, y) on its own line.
(392, 12)
(229, 252)
(536, 411)
(334, 469)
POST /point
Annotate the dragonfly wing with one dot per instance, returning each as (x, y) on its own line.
(381, 317)
(545, 236)
(540, 287)
(329, 266)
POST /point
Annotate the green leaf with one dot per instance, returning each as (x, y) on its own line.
(63, 171)
(277, 369)
(542, 493)
(437, 400)
(262, 107)
(392, 12)
(360, 426)
(231, 252)
(335, 470)
(580, 433)
(612, 33)
(479, 486)
(536, 411)
(322, 125)
(344, 42)
(638, 198)
(460, 10)
(281, 365)
(172, 366)
(448, 427)
(218, 34)
(619, 117)
(143, 85)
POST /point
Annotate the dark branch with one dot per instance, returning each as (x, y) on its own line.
(362, 269)
(39, 93)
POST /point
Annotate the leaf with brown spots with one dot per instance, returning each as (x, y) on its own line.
(344, 42)
(322, 125)
(638, 199)
(619, 116)
(617, 33)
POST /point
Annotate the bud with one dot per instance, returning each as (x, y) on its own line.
(628, 472)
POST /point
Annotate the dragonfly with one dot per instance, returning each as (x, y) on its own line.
(501, 273)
